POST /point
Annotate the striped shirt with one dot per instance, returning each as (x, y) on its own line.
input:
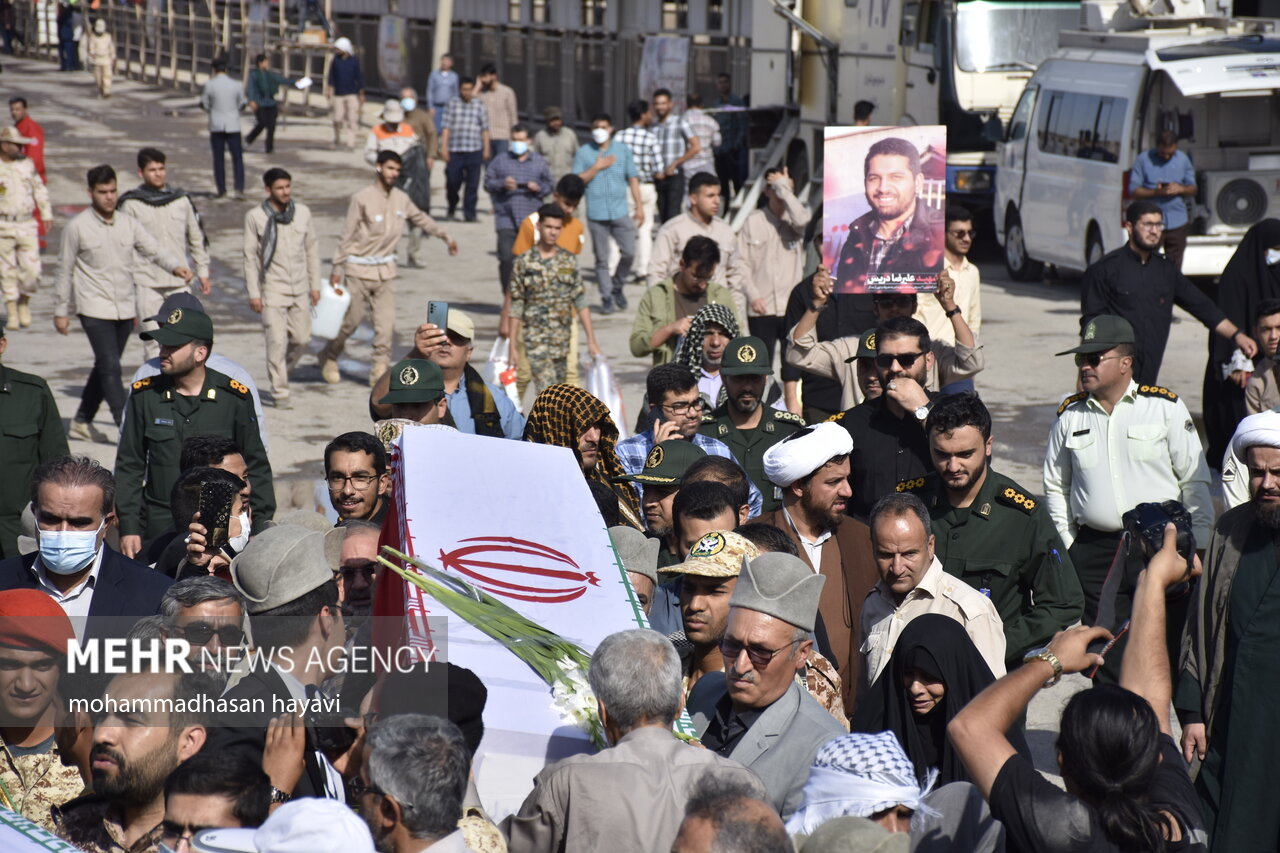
(466, 121)
(708, 131)
(645, 151)
(673, 137)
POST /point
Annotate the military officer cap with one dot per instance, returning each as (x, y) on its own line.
(184, 299)
(1102, 333)
(866, 346)
(181, 325)
(745, 357)
(666, 463)
(414, 380)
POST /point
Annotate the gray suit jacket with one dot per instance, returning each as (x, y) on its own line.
(780, 747)
(222, 98)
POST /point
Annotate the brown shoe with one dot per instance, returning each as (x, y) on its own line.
(329, 370)
(11, 312)
(24, 311)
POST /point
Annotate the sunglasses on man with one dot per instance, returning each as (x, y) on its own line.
(885, 360)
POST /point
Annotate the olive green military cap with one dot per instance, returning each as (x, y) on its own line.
(414, 380)
(745, 356)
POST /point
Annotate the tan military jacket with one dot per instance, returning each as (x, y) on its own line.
(175, 227)
(375, 223)
(22, 191)
(295, 266)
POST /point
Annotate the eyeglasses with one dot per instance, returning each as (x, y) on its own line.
(366, 567)
(906, 359)
(172, 833)
(961, 233)
(683, 406)
(1093, 359)
(359, 482)
(1150, 226)
(200, 633)
(760, 658)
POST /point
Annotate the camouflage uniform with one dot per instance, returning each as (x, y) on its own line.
(546, 293)
(390, 429)
(32, 784)
(92, 824)
(21, 194)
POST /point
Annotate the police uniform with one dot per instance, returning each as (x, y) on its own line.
(1100, 465)
(30, 433)
(159, 420)
(745, 357)
(22, 195)
(1005, 545)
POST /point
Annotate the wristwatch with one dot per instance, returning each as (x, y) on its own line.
(278, 796)
(953, 312)
(1048, 657)
(923, 412)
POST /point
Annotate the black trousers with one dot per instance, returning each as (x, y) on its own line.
(107, 338)
(463, 168)
(670, 196)
(771, 330)
(220, 143)
(264, 118)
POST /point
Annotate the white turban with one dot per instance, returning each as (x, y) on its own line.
(806, 451)
(1260, 430)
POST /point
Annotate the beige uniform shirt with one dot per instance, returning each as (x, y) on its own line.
(501, 105)
(1097, 466)
(375, 223)
(175, 227)
(102, 49)
(664, 262)
(96, 265)
(829, 359)
(22, 192)
(968, 300)
(295, 265)
(938, 592)
(772, 251)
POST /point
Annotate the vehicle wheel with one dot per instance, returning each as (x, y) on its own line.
(1021, 267)
(1093, 250)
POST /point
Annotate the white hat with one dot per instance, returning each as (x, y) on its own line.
(392, 111)
(344, 44)
(804, 452)
(305, 825)
(1260, 430)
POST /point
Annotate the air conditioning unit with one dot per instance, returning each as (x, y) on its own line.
(1235, 201)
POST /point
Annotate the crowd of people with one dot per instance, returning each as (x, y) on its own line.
(852, 605)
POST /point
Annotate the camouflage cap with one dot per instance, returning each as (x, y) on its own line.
(745, 356)
(718, 554)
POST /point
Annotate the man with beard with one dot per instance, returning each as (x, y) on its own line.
(1229, 665)
(136, 745)
(748, 427)
(169, 215)
(811, 467)
(34, 636)
(213, 790)
(1117, 444)
(1141, 285)
(992, 534)
(359, 564)
(889, 445)
(187, 399)
(355, 466)
(900, 232)
(702, 349)
(660, 480)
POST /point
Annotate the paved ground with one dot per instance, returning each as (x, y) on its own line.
(1024, 324)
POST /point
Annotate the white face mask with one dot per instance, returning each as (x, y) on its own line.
(237, 543)
(1273, 257)
(408, 104)
(600, 136)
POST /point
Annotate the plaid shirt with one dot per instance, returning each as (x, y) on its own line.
(882, 247)
(708, 131)
(644, 151)
(673, 137)
(465, 121)
(510, 207)
(633, 451)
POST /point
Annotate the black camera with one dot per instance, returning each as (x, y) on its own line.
(1145, 524)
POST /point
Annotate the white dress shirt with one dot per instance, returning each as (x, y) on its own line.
(75, 601)
(812, 547)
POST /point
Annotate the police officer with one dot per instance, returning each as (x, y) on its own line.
(1114, 445)
(186, 399)
(744, 422)
(992, 534)
(30, 433)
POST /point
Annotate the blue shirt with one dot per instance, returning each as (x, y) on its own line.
(460, 408)
(1149, 170)
(633, 451)
(345, 77)
(441, 87)
(510, 207)
(607, 191)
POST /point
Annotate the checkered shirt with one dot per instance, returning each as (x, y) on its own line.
(633, 451)
(882, 247)
(673, 137)
(465, 121)
(645, 151)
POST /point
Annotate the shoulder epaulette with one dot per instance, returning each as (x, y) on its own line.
(912, 485)
(1074, 398)
(142, 383)
(838, 416)
(1015, 498)
(789, 417)
(238, 387)
(708, 418)
(1157, 391)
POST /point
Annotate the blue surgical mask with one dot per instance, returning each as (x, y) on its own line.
(65, 552)
(519, 148)
(1273, 257)
(408, 104)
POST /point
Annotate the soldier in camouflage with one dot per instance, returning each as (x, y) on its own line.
(22, 194)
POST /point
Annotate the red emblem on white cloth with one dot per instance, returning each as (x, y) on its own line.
(519, 569)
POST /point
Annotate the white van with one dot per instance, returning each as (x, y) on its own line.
(1089, 111)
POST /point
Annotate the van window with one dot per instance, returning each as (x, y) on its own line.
(1022, 115)
(1088, 127)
